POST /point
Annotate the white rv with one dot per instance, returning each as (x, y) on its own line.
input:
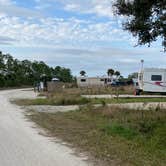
(91, 81)
(151, 80)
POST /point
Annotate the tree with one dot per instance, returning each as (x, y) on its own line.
(117, 74)
(63, 74)
(82, 73)
(16, 73)
(132, 75)
(147, 19)
(110, 72)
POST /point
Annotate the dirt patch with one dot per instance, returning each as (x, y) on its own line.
(52, 109)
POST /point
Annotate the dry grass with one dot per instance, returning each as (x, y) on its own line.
(97, 90)
(66, 99)
(113, 135)
(72, 96)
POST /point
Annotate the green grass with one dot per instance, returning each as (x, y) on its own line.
(119, 129)
(116, 136)
(81, 100)
(47, 101)
(126, 100)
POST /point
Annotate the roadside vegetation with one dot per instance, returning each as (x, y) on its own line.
(126, 100)
(113, 135)
(73, 96)
(82, 100)
(53, 101)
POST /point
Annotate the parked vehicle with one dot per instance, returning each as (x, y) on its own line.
(151, 80)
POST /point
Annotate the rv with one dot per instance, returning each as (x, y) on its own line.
(151, 80)
(91, 81)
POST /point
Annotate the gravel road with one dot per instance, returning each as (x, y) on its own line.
(124, 96)
(20, 143)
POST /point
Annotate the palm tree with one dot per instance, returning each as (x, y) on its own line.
(110, 72)
(82, 73)
(117, 74)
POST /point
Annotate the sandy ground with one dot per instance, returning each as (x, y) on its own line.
(124, 96)
(51, 109)
(20, 143)
(132, 106)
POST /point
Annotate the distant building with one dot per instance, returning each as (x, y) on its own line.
(55, 79)
(92, 81)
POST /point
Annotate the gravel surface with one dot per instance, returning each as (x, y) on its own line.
(131, 106)
(22, 145)
(140, 105)
(52, 109)
(124, 96)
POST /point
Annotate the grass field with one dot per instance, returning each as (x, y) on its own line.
(115, 136)
(72, 96)
(78, 100)
(96, 90)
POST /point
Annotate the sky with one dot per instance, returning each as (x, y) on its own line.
(77, 34)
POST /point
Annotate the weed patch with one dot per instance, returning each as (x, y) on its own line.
(120, 130)
(116, 136)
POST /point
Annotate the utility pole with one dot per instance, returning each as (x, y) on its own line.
(142, 64)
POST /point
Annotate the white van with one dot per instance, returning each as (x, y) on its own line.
(151, 80)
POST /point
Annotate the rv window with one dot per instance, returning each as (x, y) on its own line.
(156, 77)
(83, 80)
(102, 80)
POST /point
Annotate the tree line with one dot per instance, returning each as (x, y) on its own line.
(110, 73)
(14, 72)
(116, 74)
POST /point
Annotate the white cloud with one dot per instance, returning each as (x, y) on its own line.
(98, 7)
(57, 31)
(5, 2)
(10, 8)
(30, 28)
(72, 7)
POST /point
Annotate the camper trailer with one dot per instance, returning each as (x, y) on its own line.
(151, 80)
(91, 81)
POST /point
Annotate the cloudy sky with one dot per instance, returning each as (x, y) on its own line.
(79, 34)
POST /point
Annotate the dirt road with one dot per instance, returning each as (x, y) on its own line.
(20, 143)
(124, 96)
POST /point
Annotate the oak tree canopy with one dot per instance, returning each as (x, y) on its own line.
(146, 19)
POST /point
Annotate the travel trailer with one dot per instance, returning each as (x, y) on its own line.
(85, 81)
(91, 81)
(151, 80)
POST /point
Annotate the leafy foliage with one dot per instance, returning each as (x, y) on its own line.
(82, 73)
(147, 19)
(16, 73)
(110, 72)
(132, 75)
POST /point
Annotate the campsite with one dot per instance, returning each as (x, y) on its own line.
(103, 118)
(83, 83)
(111, 124)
